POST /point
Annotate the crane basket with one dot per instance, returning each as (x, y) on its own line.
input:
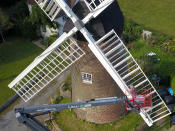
(141, 98)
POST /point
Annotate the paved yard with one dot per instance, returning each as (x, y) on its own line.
(8, 120)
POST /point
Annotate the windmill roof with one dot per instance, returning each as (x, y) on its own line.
(110, 18)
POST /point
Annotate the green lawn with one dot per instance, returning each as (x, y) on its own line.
(15, 56)
(67, 121)
(155, 14)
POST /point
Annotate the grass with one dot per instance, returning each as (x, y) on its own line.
(163, 127)
(67, 121)
(166, 66)
(154, 14)
(15, 55)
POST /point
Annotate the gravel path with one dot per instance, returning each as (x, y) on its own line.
(8, 121)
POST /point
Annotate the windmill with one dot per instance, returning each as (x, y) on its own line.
(109, 50)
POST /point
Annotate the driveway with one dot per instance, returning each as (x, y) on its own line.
(8, 121)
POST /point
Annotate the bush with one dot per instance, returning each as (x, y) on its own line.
(57, 100)
(171, 47)
(26, 23)
(18, 14)
(49, 40)
(173, 83)
(132, 31)
(68, 83)
(28, 30)
(160, 38)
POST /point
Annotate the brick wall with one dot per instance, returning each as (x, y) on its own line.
(102, 86)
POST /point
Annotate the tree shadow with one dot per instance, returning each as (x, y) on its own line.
(17, 49)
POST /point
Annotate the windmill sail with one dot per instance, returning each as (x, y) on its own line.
(50, 8)
(109, 50)
(120, 64)
(50, 64)
(54, 60)
(97, 6)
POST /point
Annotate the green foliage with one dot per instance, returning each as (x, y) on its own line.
(28, 30)
(132, 31)
(165, 68)
(171, 47)
(49, 40)
(38, 18)
(19, 14)
(68, 121)
(68, 83)
(173, 83)
(159, 38)
(164, 126)
(57, 100)
(29, 23)
(5, 24)
(150, 64)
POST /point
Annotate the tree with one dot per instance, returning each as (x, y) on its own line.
(29, 23)
(8, 3)
(38, 18)
(34, 21)
(5, 24)
(18, 13)
(131, 32)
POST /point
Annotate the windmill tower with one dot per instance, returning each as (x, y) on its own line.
(109, 50)
(89, 78)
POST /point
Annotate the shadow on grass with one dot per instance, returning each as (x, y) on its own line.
(17, 49)
(8, 78)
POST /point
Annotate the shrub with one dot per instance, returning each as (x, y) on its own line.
(49, 40)
(28, 30)
(18, 14)
(28, 23)
(160, 38)
(173, 83)
(131, 32)
(57, 100)
(171, 47)
(38, 18)
(68, 84)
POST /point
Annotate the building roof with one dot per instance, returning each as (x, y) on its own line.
(111, 18)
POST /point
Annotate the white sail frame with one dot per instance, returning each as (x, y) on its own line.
(121, 70)
(46, 68)
(101, 56)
